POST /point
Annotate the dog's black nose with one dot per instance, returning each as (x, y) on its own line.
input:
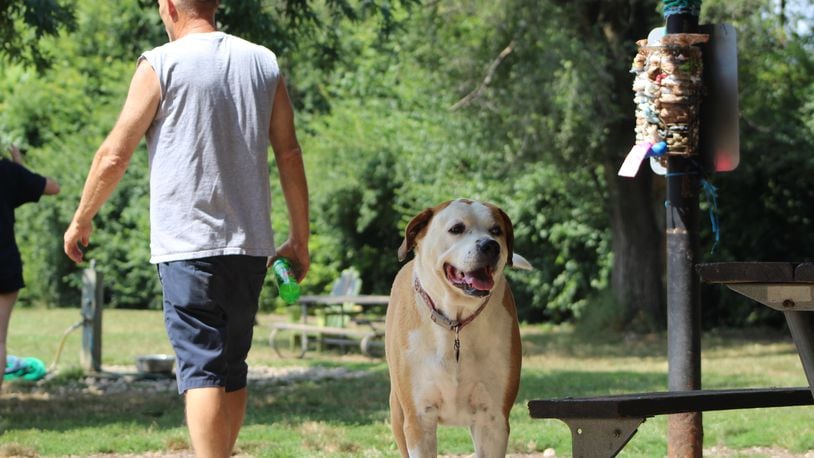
(488, 248)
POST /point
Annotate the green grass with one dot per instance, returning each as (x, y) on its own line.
(348, 417)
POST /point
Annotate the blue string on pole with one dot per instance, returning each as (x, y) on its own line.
(691, 7)
(712, 199)
(711, 193)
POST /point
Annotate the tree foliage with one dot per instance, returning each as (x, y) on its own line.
(766, 205)
(524, 103)
(24, 23)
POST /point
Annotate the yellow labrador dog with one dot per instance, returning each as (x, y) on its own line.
(452, 340)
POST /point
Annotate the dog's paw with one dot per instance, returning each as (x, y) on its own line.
(519, 262)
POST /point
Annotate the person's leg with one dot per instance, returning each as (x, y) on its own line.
(209, 312)
(196, 328)
(245, 278)
(7, 301)
(236, 407)
(214, 418)
(209, 422)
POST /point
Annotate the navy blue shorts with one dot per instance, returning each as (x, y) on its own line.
(210, 306)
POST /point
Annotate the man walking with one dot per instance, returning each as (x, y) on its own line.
(209, 104)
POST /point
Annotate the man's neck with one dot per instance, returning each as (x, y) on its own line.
(193, 25)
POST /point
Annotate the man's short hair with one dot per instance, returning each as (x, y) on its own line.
(197, 6)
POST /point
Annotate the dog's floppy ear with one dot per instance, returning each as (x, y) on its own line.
(414, 228)
(519, 262)
(509, 229)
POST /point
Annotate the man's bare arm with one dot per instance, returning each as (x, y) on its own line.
(288, 157)
(113, 156)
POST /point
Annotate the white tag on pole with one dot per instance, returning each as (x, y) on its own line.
(633, 160)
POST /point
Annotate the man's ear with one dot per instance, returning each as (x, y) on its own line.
(172, 9)
(414, 230)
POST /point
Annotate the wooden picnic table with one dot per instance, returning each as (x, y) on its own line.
(602, 425)
(784, 286)
(307, 302)
(367, 337)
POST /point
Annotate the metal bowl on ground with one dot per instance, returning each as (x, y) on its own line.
(155, 364)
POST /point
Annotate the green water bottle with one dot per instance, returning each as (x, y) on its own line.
(286, 280)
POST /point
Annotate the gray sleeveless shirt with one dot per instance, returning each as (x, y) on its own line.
(208, 148)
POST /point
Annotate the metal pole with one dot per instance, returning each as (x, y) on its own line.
(685, 431)
(92, 285)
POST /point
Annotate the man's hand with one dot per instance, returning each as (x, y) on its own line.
(75, 235)
(298, 255)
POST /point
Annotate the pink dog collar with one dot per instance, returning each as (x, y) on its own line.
(442, 320)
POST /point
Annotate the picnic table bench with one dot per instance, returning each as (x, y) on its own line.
(601, 426)
(367, 335)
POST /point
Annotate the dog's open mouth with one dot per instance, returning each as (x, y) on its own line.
(478, 282)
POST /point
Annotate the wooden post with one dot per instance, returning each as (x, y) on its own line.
(685, 433)
(91, 356)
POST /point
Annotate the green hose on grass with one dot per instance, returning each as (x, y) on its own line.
(30, 369)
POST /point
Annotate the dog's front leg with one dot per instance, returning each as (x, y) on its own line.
(421, 434)
(490, 427)
(490, 438)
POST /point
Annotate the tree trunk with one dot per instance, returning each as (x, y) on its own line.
(635, 205)
(638, 250)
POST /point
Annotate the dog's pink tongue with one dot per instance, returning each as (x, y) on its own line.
(480, 280)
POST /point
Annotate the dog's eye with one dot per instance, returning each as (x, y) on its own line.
(496, 231)
(457, 229)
